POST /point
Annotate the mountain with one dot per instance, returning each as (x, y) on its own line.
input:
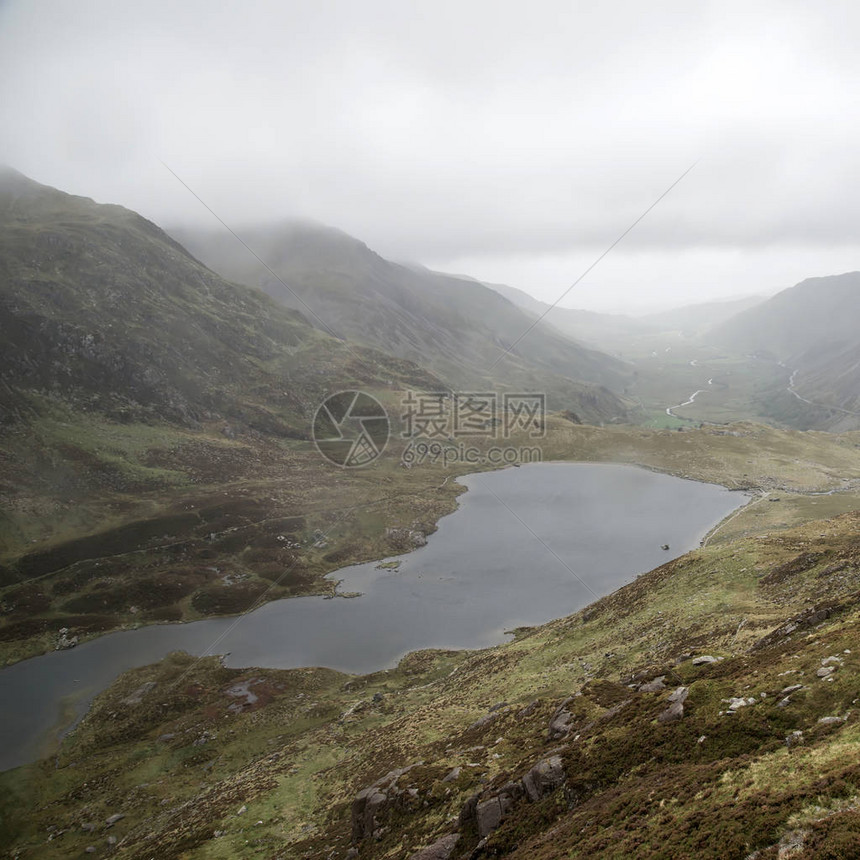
(155, 453)
(102, 309)
(456, 327)
(812, 329)
(602, 331)
(797, 320)
(155, 429)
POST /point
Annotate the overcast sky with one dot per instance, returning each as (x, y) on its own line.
(509, 141)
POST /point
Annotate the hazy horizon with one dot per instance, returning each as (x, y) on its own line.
(510, 145)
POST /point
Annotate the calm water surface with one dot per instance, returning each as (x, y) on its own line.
(525, 546)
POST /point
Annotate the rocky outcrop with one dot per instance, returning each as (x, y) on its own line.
(675, 710)
(486, 720)
(65, 641)
(544, 778)
(559, 724)
(654, 686)
(137, 696)
(802, 621)
(487, 811)
(372, 804)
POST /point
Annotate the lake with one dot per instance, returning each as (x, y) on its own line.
(525, 546)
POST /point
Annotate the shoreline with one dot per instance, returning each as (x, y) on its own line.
(328, 587)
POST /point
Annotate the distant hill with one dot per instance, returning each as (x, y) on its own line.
(456, 327)
(812, 329)
(612, 331)
(806, 316)
(699, 318)
(603, 331)
(102, 309)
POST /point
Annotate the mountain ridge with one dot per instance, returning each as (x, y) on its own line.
(456, 327)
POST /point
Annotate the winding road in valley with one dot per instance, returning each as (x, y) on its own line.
(692, 399)
(790, 388)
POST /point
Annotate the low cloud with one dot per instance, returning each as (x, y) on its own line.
(518, 140)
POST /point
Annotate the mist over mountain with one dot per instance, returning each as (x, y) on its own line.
(797, 319)
(102, 309)
(612, 332)
(155, 419)
(458, 328)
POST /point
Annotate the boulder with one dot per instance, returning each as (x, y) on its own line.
(65, 641)
(704, 660)
(529, 709)
(672, 714)
(654, 686)
(559, 724)
(484, 721)
(489, 813)
(544, 778)
(679, 695)
(439, 850)
(137, 696)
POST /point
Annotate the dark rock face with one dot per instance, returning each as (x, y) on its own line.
(544, 778)
(371, 804)
(488, 813)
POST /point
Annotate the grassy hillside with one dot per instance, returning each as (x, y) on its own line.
(102, 310)
(603, 734)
